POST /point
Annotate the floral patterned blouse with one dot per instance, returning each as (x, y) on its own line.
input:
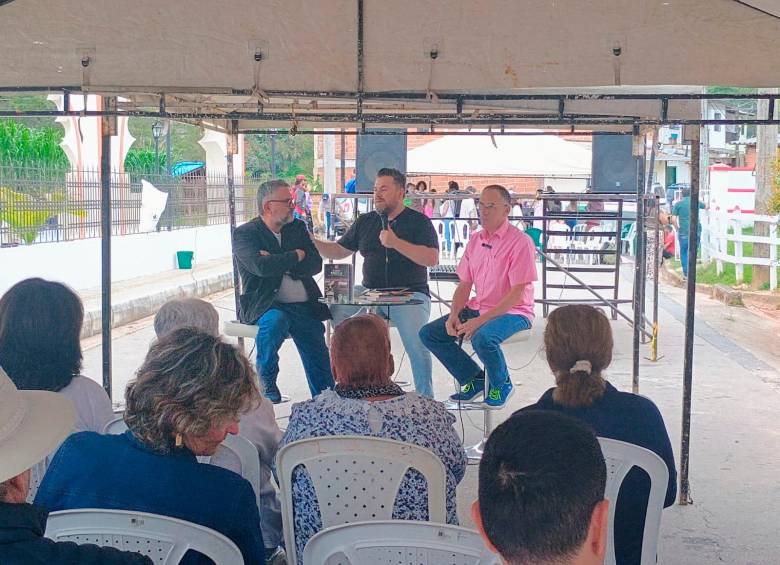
(409, 418)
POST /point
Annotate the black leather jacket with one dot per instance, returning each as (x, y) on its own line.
(261, 275)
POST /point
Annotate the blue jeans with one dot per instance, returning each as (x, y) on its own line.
(308, 333)
(448, 234)
(408, 320)
(486, 342)
(684, 242)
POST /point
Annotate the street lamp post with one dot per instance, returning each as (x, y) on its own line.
(157, 131)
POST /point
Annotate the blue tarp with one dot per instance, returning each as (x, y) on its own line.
(186, 167)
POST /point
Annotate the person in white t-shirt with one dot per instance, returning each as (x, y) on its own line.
(258, 425)
(40, 349)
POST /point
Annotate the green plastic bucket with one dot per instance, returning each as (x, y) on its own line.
(184, 259)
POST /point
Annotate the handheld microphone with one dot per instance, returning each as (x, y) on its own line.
(487, 245)
(385, 221)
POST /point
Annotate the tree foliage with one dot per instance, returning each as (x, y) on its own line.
(22, 147)
(294, 155)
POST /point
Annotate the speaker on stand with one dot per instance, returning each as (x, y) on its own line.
(613, 165)
(377, 151)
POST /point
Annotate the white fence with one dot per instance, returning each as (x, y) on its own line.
(720, 228)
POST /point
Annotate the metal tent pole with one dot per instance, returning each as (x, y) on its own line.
(232, 149)
(690, 305)
(107, 129)
(639, 258)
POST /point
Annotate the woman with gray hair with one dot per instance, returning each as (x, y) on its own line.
(188, 395)
(257, 425)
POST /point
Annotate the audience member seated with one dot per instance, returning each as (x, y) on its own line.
(367, 402)
(541, 492)
(188, 395)
(258, 426)
(32, 424)
(40, 326)
(578, 343)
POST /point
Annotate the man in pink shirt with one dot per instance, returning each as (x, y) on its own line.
(499, 263)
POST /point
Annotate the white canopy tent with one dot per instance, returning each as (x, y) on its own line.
(249, 64)
(412, 62)
(530, 156)
(485, 46)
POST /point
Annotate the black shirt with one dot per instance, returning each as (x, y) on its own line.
(22, 542)
(387, 268)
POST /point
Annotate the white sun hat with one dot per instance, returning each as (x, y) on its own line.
(33, 423)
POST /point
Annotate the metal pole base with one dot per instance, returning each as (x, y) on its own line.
(452, 405)
(474, 453)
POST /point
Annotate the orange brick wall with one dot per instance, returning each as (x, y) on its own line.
(750, 155)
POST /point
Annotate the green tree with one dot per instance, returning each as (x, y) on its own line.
(22, 147)
(294, 155)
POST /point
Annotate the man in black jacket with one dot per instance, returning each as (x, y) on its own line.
(277, 262)
(32, 425)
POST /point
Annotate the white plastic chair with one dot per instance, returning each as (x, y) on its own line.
(461, 233)
(356, 478)
(241, 447)
(621, 457)
(237, 329)
(398, 542)
(163, 539)
(560, 242)
(438, 225)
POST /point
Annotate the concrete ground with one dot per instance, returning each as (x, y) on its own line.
(735, 440)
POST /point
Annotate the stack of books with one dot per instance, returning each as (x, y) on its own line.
(386, 296)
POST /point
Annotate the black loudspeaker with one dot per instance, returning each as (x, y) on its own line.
(377, 151)
(613, 164)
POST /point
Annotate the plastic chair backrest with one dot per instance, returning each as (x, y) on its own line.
(621, 457)
(163, 539)
(241, 447)
(356, 478)
(398, 542)
(536, 235)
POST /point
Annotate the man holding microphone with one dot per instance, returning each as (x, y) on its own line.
(397, 244)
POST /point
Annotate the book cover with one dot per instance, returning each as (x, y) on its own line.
(338, 282)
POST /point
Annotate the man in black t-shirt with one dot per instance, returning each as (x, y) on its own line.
(395, 257)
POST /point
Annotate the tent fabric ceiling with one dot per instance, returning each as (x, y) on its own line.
(544, 156)
(494, 46)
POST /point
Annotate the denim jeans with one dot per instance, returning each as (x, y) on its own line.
(408, 320)
(486, 342)
(684, 241)
(308, 334)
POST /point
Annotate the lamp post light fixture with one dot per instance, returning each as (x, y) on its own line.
(157, 131)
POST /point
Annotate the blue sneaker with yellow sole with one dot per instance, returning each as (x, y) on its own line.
(498, 395)
(470, 390)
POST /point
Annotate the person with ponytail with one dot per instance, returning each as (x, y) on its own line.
(578, 343)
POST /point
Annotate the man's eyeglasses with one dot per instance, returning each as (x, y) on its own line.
(489, 205)
(287, 201)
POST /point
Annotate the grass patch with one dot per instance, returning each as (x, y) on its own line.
(707, 273)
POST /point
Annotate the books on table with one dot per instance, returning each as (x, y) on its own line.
(339, 281)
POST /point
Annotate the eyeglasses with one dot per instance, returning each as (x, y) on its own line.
(489, 205)
(287, 201)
